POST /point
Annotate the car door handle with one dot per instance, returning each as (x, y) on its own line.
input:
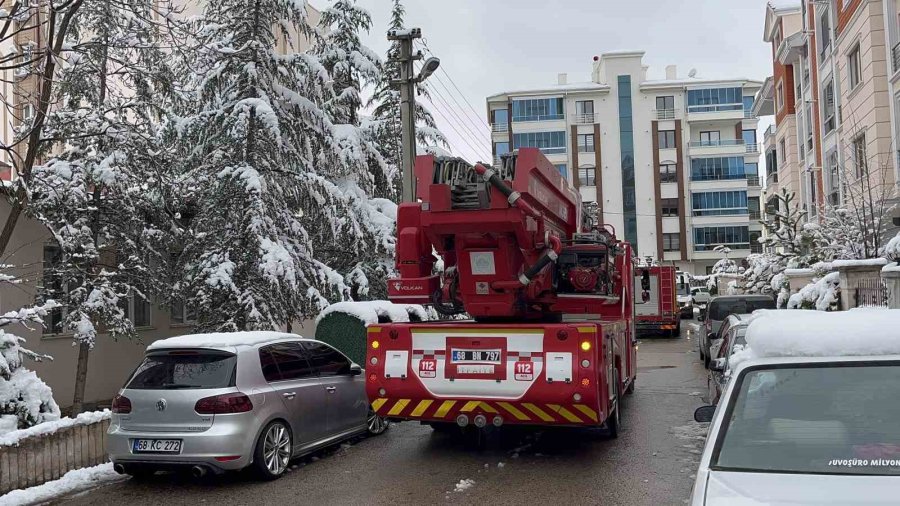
(289, 395)
(330, 389)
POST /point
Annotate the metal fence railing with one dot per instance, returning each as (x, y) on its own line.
(38, 459)
(870, 293)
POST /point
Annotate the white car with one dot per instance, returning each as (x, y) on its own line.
(804, 431)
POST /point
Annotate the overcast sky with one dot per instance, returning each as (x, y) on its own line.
(488, 46)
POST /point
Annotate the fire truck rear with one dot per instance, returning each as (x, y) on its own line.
(549, 293)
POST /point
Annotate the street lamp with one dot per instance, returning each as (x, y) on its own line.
(428, 68)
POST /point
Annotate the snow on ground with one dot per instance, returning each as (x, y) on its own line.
(71, 482)
(86, 418)
(464, 485)
(370, 311)
(793, 333)
(218, 340)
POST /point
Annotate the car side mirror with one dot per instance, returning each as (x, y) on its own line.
(701, 317)
(355, 370)
(717, 365)
(704, 414)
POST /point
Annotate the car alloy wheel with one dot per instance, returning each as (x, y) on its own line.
(376, 424)
(277, 449)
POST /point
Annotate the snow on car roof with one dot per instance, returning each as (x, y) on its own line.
(221, 340)
(805, 333)
(369, 311)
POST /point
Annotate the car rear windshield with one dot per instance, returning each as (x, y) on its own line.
(829, 419)
(722, 308)
(177, 370)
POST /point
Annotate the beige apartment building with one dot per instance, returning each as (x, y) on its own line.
(111, 361)
(835, 102)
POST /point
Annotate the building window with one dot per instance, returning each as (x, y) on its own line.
(666, 139)
(722, 203)
(561, 167)
(54, 288)
(586, 176)
(749, 137)
(584, 111)
(548, 142)
(859, 155)
(782, 151)
(828, 108)
(710, 138)
(538, 109)
(854, 68)
(668, 173)
(715, 100)
(715, 169)
(500, 117)
(665, 107)
(671, 242)
(748, 106)
(27, 113)
(626, 150)
(585, 143)
(734, 237)
(136, 308)
(779, 96)
(834, 179)
(182, 314)
(669, 207)
(824, 32)
(501, 148)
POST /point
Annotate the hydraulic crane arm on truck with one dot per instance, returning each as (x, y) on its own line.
(550, 294)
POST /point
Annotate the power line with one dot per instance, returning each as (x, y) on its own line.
(484, 142)
(476, 128)
(463, 137)
(471, 107)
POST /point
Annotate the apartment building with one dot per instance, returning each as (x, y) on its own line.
(835, 99)
(671, 163)
(31, 248)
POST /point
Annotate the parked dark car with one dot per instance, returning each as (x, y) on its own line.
(720, 308)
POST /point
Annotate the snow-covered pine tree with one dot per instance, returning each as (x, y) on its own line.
(101, 144)
(275, 189)
(25, 400)
(385, 121)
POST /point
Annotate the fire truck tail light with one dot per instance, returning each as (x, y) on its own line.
(586, 345)
(585, 382)
(373, 378)
(375, 345)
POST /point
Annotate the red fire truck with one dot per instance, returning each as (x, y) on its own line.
(655, 303)
(549, 293)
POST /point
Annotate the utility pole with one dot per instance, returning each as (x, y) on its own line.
(407, 83)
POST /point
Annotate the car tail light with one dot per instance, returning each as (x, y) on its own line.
(225, 403)
(121, 405)
(228, 458)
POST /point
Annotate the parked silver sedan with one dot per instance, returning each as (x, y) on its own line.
(217, 402)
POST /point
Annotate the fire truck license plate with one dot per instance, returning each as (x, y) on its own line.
(476, 356)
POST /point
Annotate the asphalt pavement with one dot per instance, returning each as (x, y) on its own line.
(652, 462)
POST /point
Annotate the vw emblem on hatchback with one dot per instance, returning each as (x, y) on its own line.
(161, 405)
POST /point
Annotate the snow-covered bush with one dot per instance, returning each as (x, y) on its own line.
(25, 400)
(892, 249)
(823, 294)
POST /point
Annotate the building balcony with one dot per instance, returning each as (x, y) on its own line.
(713, 112)
(663, 114)
(748, 114)
(586, 119)
(755, 215)
(546, 117)
(753, 181)
(752, 147)
(499, 127)
(717, 147)
(756, 247)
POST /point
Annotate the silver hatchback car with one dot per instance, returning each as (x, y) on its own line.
(217, 402)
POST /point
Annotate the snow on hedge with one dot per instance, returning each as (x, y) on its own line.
(370, 311)
(821, 294)
(42, 429)
(221, 339)
(786, 333)
(869, 262)
(71, 482)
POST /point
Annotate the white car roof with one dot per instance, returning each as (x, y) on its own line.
(775, 361)
(222, 340)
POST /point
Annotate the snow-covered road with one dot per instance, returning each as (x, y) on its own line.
(652, 462)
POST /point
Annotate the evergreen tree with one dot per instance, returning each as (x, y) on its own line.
(101, 145)
(276, 192)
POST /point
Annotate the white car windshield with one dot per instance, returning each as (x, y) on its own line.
(824, 419)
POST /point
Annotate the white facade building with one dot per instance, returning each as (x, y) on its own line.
(672, 164)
